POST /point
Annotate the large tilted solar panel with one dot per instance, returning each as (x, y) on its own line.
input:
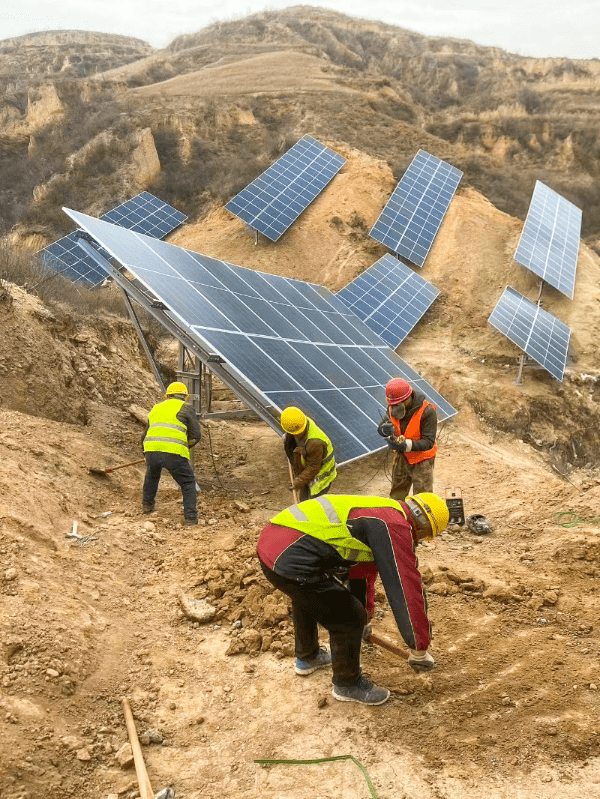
(412, 217)
(537, 332)
(390, 298)
(274, 201)
(291, 343)
(144, 213)
(549, 243)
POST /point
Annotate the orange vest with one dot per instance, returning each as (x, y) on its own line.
(413, 431)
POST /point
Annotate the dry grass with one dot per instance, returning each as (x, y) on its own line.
(281, 71)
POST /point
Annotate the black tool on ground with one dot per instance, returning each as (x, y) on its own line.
(455, 505)
(478, 524)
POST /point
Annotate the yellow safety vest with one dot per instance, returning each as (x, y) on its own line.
(327, 473)
(325, 518)
(166, 433)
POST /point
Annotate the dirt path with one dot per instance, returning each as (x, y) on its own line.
(511, 710)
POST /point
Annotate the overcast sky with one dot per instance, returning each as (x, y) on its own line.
(528, 27)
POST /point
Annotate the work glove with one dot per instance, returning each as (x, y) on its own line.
(385, 428)
(420, 661)
(399, 443)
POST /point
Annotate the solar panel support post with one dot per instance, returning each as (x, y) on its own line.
(519, 378)
(142, 337)
(191, 375)
(255, 237)
(266, 413)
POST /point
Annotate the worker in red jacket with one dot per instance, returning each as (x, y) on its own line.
(309, 550)
(410, 429)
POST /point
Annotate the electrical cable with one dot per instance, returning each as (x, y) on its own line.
(213, 459)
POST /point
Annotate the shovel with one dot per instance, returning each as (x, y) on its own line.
(109, 469)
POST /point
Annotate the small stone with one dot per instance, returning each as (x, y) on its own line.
(241, 506)
(149, 526)
(321, 701)
(124, 756)
(52, 673)
(212, 521)
(151, 737)
(90, 381)
(505, 700)
(10, 574)
(593, 686)
(83, 754)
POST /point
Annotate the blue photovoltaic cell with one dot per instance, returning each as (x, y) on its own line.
(412, 217)
(541, 335)
(549, 243)
(274, 201)
(390, 298)
(144, 213)
(289, 342)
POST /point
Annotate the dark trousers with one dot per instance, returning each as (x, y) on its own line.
(180, 470)
(331, 605)
(304, 493)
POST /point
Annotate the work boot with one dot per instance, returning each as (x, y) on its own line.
(320, 660)
(147, 507)
(363, 691)
(190, 522)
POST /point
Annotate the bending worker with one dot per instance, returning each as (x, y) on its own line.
(172, 429)
(307, 551)
(310, 454)
(410, 429)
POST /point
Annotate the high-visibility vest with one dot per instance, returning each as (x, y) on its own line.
(327, 473)
(413, 431)
(325, 518)
(166, 433)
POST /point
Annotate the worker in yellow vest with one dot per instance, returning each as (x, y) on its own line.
(410, 429)
(309, 550)
(309, 452)
(172, 429)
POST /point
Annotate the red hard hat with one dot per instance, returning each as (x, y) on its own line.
(397, 390)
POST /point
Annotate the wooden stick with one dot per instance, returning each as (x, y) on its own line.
(146, 791)
(100, 470)
(375, 639)
(294, 492)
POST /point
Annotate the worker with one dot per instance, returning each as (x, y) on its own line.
(310, 454)
(171, 431)
(410, 429)
(308, 550)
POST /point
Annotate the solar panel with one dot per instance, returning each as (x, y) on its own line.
(390, 298)
(144, 213)
(412, 217)
(273, 202)
(549, 243)
(541, 335)
(288, 342)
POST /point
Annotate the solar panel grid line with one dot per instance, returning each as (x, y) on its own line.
(272, 202)
(538, 333)
(549, 241)
(322, 365)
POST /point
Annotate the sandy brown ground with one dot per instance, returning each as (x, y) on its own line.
(512, 709)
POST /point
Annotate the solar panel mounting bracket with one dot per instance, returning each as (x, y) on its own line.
(267, 413)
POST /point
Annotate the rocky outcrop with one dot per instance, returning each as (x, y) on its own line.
(145, 160)
(43, 106)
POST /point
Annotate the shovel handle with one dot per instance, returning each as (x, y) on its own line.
(375, 639)
(294, 492)
(124, 465)
(146, 791)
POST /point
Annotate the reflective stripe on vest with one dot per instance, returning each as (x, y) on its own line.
(165, 432)
(413, 431)
(325, 518)
(327, 473)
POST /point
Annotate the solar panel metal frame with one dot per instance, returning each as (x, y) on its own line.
(273, 202)
(549, 241)
(413, 215)
(324, 371)
(143, 213)
(390, 298)
(535, 331)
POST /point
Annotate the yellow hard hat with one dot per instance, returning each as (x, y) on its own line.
(176, 388)
(293, 421)
(435, 509)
